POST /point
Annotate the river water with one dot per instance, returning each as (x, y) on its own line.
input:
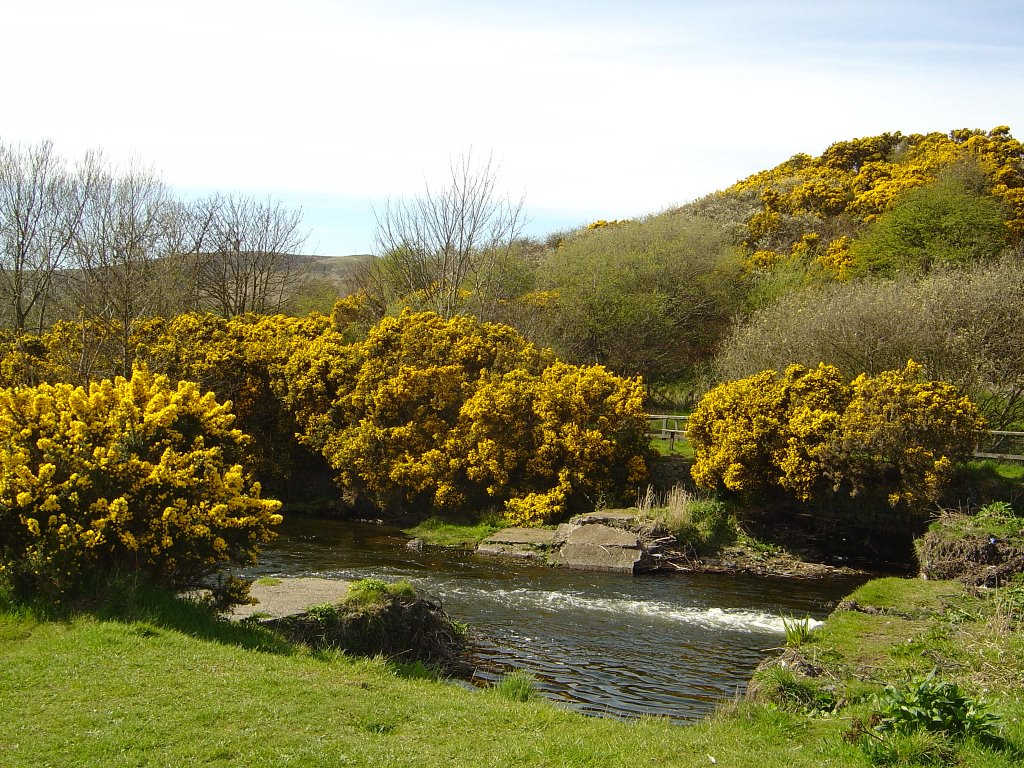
(608, 644)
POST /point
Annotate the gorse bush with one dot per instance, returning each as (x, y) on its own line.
(809, 436)
(809, 208)
(127, 475)
(963, 325)
(455, 414)
(239, 359)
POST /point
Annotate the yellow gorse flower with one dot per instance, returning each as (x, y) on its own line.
(126, 473)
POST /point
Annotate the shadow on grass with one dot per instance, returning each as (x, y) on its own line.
(127, 600)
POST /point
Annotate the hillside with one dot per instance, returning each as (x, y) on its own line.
(808, 212)
(337, 270)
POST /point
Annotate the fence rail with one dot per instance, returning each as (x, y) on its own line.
(997, 444)
(1001, 444)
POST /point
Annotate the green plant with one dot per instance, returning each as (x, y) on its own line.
(934, 705)
(704, 524)
(517, 685)
(921, 748)
(798, 631)
(783, 687)
(1000, 513)
(324, 612)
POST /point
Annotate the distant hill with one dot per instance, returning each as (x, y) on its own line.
(336, 270)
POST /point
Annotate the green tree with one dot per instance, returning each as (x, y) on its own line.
(648, 298)
(947, 222)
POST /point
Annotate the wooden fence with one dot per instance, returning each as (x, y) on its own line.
(997, 443)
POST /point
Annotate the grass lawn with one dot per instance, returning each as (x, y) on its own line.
(167, 684)
(678, 447)
(174, 686)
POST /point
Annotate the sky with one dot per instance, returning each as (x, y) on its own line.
(589, 109)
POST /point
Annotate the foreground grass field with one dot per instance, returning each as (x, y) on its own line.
(167, 684)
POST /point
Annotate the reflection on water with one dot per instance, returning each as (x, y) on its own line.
(606, 644)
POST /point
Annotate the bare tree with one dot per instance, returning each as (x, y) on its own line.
(122, 274)
(40, 214)
(246, 253)
(447, 246)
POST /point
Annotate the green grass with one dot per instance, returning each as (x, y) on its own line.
(444, 533)
(679, 447)
(156, 681)
(172, 685)
(1008, 470)
(995, 519)
(897, 633)
(516, 686)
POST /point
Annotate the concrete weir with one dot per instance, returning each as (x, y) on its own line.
(617, 541)
(520, 543)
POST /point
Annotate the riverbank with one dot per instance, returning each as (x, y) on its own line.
(167, 683)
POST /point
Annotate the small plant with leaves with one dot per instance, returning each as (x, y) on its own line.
(798, 631)
(935, 705)
(926, 716)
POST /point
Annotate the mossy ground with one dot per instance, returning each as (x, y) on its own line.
(461, 534)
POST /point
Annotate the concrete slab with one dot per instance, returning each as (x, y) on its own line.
(288, 597)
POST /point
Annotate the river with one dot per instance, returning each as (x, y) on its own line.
(607, 644)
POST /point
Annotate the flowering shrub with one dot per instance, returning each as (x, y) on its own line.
(809, 435)
(240, 360)
(457, 413)
(130, 475)
(852, 183)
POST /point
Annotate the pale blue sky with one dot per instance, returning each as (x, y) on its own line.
(594, 109)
